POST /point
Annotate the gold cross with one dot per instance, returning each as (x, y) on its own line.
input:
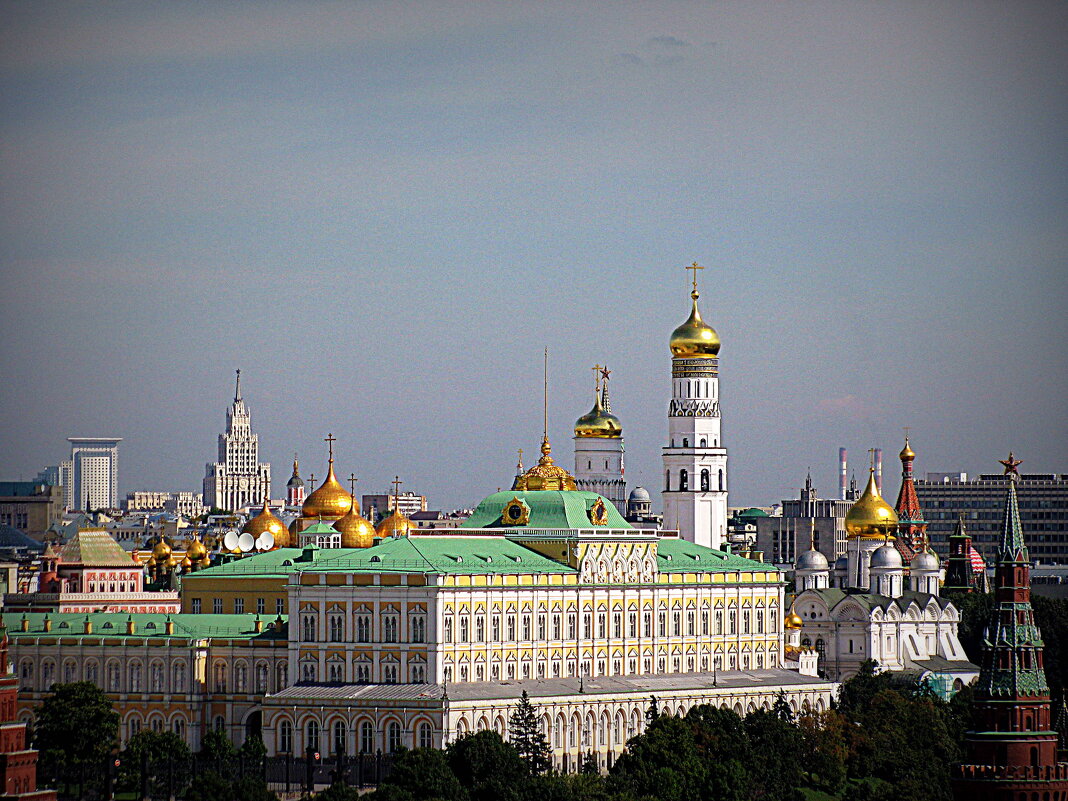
(871, 460)
(695, 267)
(330, 439)
(597, 375)
(311, 480)
(396, 482)
(352, 483)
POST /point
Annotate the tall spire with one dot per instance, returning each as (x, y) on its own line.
(1011, 547)
(237, 388)
(606, 404)
(912, 528)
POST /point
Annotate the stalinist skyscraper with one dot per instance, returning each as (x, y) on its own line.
(695, 460)
(238, 479)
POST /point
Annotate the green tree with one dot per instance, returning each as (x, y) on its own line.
(422, 773)
(217, 746)
(164, 757)
(488, 767)
(652, 712)
(75, 730)
(526, 736)
(826, 749)
(774, 754)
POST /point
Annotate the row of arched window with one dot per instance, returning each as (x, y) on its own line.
(335, 739)
(684, 481)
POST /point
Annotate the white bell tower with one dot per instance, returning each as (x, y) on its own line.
(695, 459)
(599, 447)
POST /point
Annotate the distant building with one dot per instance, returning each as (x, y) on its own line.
(1043, 502)
(807, 519)
(599, 448)
(30, 506)
(94, 469)
(91, 573)
(383, 504)
(145, 501)
(640, 510)
(438, 519)
(238, 479)
(186, 503)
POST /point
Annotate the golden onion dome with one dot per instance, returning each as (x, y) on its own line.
(396, 524)
(151, 562)
(597, 422)
(162, 550)
(187, 562)
(546, 474)
(266, 523)
(694, 338)
(330, 500)
(356, 530)
(871, 517)
(196, 550)
(205, 562)
(907, 454)
(793, 620)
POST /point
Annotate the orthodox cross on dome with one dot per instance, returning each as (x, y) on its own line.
(597, 373)
(352, 484)
(519, 464)
(330, 439)
(695, 267)
(311, 479)
(871, 459)
(907, 430)
(396, 482)
(1011, 466)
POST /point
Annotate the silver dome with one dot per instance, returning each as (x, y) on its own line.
(841, 563)
(925, 561)
(886, 556)
(811, 560)
(639, 494)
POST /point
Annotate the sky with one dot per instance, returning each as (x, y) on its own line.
(382, 212)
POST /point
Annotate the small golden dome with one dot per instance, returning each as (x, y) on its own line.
(793, 620)
(151, 562)
(694, 338)
(187, 562)
(871, 517)
(356, 530)
(196, 550)
(396, 524)
(906, 454)
(546, 474)
(266, 523)
(162, 550)
(330, 500)
(205, 562)
(597, 422)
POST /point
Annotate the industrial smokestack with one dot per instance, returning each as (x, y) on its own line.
(843, 479)
(879, 470)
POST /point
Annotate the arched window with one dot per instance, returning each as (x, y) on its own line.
(667, 481)
(686, 442)
(426, 735)
(262, 677)
(684, 481)
(704, 479)
(312, 735)
(339, 737)
(704, 442)
(721, 481)
(178, 727)
(367, 737)
(178, 685)
(285, 737)
(157, 677)
(135, 677)
(393, 737)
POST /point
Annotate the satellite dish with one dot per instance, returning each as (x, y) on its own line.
(265, 541)
(230, 540)
(246, 542)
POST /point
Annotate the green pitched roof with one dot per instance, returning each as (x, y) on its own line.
(553, 509)
(753, 512)
(95, 548)
(433, 554)
(682, 556)
(150, 625)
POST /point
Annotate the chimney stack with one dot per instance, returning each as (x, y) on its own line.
(843, 480)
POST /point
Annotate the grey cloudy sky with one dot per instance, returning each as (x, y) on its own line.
(382, 212)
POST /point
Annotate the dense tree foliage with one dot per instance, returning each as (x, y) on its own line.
(75, 730)
(163, 757)
(526, 736)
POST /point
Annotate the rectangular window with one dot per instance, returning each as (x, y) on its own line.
(511, 628)
(602, 624)
(662, 624)
(617, 625)
(572, 625)
(239, 606)
(261, 606)
(704, 623)
(216, 605)
(279, 606)
(556, 627)
(495, 626)
(196, 606)
(676, 624)
(541, 627)
(526, 635)
(632, 621)
(647, 625)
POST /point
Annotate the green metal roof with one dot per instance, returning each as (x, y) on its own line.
(554, 509)
(433, 554)
(753, 512)
(149, 625)
(95, 548)
(682, 556)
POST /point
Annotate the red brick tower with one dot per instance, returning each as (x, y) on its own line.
(18, 764)
(1014, 753)
(911, 527)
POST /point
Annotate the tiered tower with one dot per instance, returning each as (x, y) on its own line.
(960, 572)
(1012, 754)
(911, 527)
(695, 461)
(238, 479)
(18, 762)
(599, 447)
